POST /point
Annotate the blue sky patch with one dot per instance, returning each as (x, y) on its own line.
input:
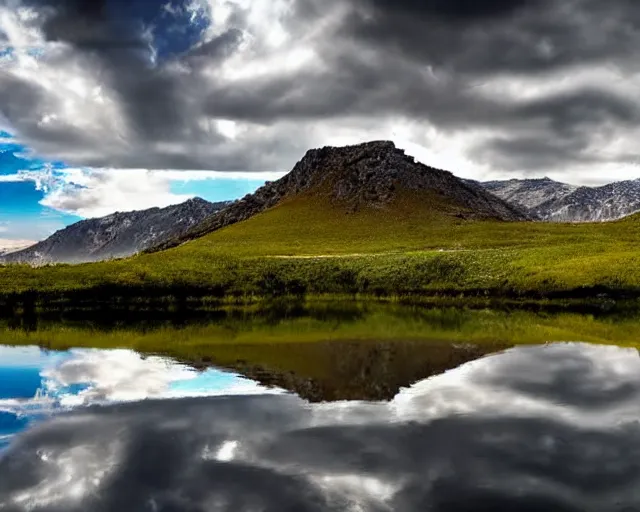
(26, 181)
(220, 189)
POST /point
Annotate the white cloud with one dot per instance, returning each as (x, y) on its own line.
(98, 192)
(7, 245)
(13, 178)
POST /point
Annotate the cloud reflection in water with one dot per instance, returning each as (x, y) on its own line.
(35, 383)
(534, 428)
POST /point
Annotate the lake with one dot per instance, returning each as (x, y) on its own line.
(333, 417)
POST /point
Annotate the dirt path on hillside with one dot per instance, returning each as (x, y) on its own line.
(358, 254)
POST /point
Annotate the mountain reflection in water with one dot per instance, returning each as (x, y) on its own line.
(534, 428)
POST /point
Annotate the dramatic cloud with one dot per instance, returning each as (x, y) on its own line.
(499, 433)
(486, 89)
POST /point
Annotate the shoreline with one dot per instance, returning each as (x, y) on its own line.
(192, 298)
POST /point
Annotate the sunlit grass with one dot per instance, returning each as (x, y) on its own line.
(410, 249)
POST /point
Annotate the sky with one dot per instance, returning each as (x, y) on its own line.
(114, 105)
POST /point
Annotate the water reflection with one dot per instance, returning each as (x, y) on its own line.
(36, 383)
(319, 350)
(350, 370)
(533, 428)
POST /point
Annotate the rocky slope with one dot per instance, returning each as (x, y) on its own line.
(554, 201)
(116, 235)
(368, 175)
(529, 194)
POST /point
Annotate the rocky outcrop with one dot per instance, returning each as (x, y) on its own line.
(364, 175)
(117, 235)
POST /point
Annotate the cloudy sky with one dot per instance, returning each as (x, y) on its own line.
(124, 104)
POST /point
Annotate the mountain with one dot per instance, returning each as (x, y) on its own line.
(529, 194)
(116, 235)
(554, 201)
(370, 177)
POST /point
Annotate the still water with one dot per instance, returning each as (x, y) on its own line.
(543, 427)
(36, 384)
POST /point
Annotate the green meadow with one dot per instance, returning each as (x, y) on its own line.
(307, 248)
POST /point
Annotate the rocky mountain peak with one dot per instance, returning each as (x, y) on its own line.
(341, 156)
(195, 201)
(372, 174)
(368, 175)
(348, 170)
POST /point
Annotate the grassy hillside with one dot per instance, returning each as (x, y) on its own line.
(417, 245)
(416, 222)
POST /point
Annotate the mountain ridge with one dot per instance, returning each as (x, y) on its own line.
(555, 201)
(117, 235)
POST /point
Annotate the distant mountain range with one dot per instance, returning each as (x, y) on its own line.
(117, 235)
(551, 200)
(372, 177)
(375, 176)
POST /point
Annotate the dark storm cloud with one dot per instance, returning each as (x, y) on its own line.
(455, 10)
(586, 108)
(499, 37)
(291, 455)
(90, 24)
(422, 61)
(559, 129)
(23, 103)
(530, 153)
(463, 44)
(470, 43)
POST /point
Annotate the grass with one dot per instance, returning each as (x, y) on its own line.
(416, 247)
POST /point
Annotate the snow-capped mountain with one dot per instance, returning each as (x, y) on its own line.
(559, 202)
(116, 235)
